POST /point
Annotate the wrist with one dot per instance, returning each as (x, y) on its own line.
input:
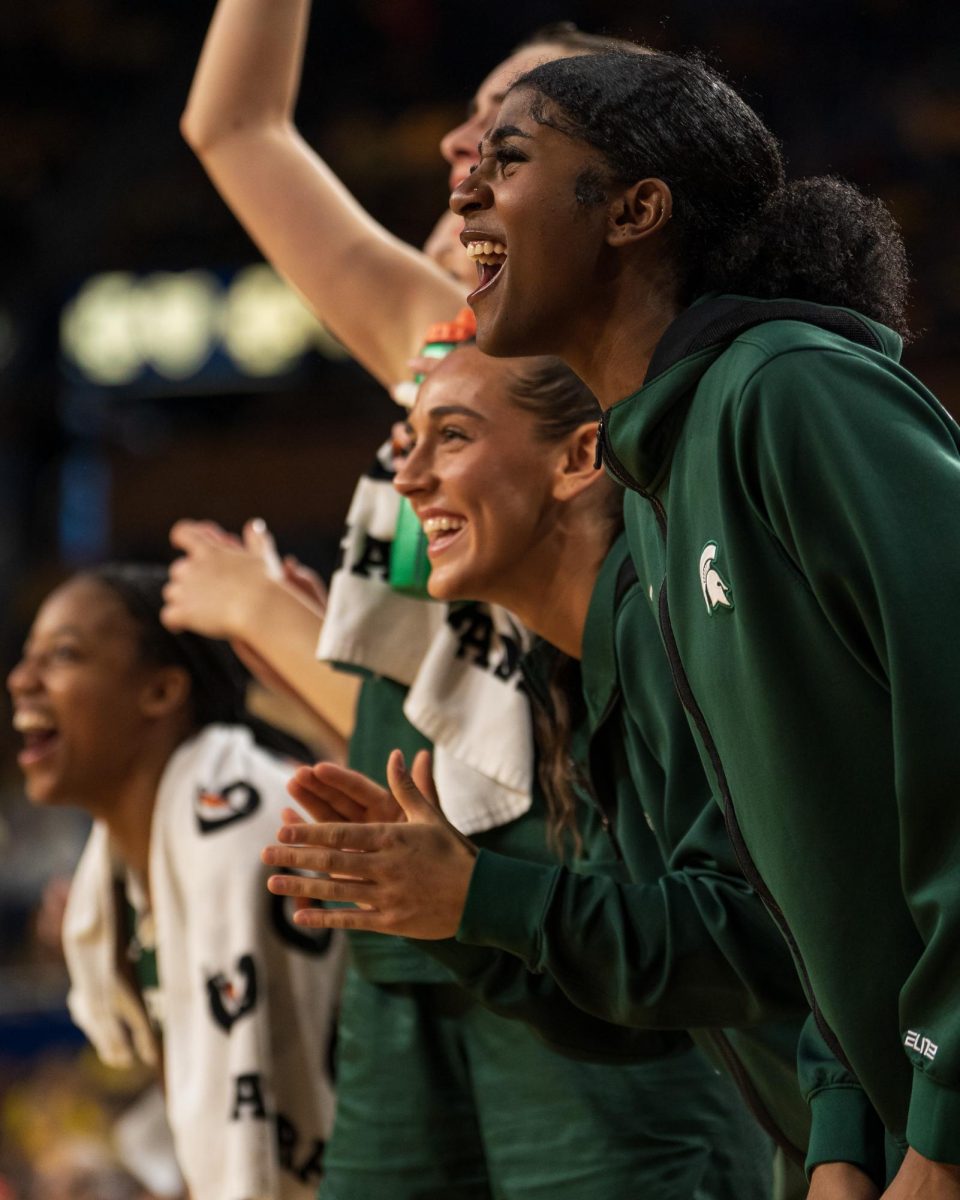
(250, 609)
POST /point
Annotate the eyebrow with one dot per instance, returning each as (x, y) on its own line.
(506, 131)
(454, 410)
(60, 631)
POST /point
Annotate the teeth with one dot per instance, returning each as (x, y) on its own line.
(29, 722)
(434, 525)
(489, 253)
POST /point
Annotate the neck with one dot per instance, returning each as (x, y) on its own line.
(611, 349)
(128, 811)
(555, 594)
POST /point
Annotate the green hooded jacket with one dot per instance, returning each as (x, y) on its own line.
(793, 521)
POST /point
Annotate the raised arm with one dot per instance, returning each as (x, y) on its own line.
(377, 294)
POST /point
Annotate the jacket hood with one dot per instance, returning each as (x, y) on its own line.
(640, 430)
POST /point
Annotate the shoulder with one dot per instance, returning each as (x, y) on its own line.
(788, 385)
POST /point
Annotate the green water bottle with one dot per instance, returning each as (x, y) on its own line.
(409, 561)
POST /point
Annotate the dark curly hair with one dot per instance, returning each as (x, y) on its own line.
(737, 225)
(218, 680)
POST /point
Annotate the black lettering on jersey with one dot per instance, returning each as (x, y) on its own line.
(312, 1165)
(474, 631)
(510, 663)
(315, 942)
(230, 999)
(215, 810)
(374, 558)
(288, 1140)
(248, 1094)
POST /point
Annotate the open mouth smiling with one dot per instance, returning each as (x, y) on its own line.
(440, 531)
(490, 257)
(39, 733)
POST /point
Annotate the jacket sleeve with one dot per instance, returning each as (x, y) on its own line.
(844, 1126)
(860, 480)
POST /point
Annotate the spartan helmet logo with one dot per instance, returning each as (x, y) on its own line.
(233, 996)
(716, 592)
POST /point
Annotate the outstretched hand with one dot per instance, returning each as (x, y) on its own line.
(409, 875)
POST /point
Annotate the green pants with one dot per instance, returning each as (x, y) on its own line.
(438, 1099)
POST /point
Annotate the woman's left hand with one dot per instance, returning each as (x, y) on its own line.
(410, 878)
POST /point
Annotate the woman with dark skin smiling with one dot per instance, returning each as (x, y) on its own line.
(791, 492)
(175, 961)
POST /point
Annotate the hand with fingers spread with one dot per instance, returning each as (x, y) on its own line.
(329, 792)
(410, 878)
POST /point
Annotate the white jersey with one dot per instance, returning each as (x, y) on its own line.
(246, 999)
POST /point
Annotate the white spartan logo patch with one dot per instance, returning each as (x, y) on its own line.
(716, 592)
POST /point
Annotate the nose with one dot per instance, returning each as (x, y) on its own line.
(23, 678)
(471, 195)
(413, 475)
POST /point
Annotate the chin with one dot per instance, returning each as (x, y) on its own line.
(444, 586)
(501, 338)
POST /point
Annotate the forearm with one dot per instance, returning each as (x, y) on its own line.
(501, 983)
(283, 627)
(640, 954)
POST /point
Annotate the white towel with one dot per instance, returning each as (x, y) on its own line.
(459, 661)
(248, 999)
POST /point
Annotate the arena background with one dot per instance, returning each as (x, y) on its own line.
(151, 368)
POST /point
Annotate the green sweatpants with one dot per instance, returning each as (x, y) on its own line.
(439, 1099)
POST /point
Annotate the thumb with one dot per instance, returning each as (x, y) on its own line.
(416, 807)
(258, 539)
(422, 772)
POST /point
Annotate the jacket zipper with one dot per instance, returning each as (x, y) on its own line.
(606, 457)
(605, 821)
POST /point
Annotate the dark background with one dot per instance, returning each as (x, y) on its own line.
(94, 179)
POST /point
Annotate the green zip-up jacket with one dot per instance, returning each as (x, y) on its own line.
(796, 528)
(686, 943)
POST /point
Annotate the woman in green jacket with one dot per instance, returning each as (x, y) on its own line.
(791, 505)
(668, 933)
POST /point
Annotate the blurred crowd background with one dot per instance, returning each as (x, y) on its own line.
(151, 367)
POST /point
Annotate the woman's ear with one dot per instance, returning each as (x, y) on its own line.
(166, 691)
(638, 211)
(576, 469)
